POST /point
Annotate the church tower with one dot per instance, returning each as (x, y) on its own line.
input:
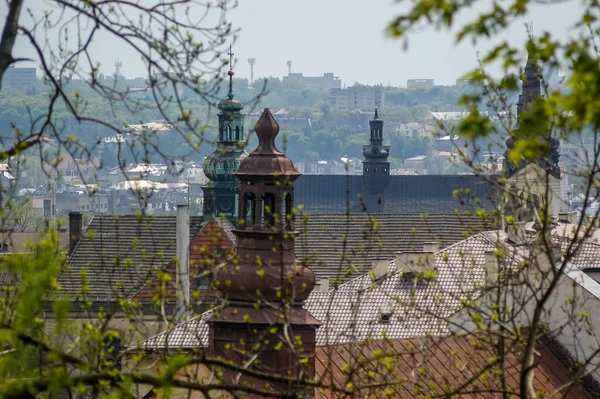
(376, 167)
(531, 90)
(264, 323)
(221, 192)
(532, 184)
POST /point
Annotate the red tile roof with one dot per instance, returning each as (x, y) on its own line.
(418, 367)
(208, 247)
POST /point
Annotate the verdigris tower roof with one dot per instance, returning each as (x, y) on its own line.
(221, 165)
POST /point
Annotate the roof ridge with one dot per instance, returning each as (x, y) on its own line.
(481, 233)
(375, 214)
(199, 317)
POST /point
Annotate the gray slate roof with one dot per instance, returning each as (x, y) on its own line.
(402, 194)
(320, 242)
(118, 255)
(352, 311)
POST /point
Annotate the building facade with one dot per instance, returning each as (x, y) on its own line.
(422, 84)
(323, 83)
(378, 191)
(357, 97)
(20, 78)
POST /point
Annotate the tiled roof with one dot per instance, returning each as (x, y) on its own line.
(320, 244)
(403, 193)
(586, 252)
(119, 254)
(227, 229)
(586, 257)
(352, 312)
(430, 366)
(7, 279)
(192, 334)
(207, 248)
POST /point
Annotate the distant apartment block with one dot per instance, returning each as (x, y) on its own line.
(414, 84)
(464, 82)
(140, 93)
(323, 83)
(71, 201)
(357, 97)
(20, 78)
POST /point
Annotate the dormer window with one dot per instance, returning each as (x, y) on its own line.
(385, 317)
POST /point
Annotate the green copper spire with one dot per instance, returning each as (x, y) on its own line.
(221, 192)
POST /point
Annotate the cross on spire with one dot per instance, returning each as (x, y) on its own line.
(230, 73)
(230, 54)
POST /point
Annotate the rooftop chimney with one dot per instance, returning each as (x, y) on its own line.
(183, 264)
(491, 267)
(540, 268)
(517, 233)
(568, 217)
(415, 262)
(380, 267)
(431, 247)
(322, 285)
(75, 229)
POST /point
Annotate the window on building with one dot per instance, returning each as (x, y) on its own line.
(269, 209)
(203, 280)
(113, 349)
(248, 206)
(289, 212)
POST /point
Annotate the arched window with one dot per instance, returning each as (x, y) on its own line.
(289, 215)
(269, 209)
(237, 133)
(248, 213)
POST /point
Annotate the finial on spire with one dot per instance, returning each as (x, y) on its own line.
(376, 114)
(530, 29)
(230, 73)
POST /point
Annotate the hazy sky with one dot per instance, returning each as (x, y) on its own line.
(345, 37)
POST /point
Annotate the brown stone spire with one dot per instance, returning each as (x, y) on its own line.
(265, 285)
